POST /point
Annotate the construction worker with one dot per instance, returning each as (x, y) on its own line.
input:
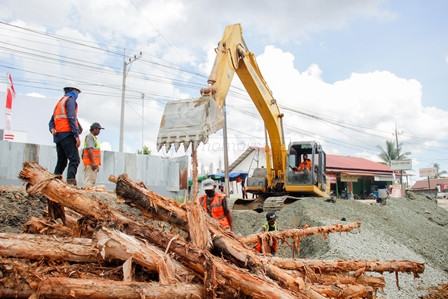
(91, 155)
(65, 128)
(270, 225)
(215, 204)
(305, 166)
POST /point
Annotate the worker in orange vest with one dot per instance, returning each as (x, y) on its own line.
(91, 155)
(270, 225)
(215, 204)
(305, 166)
(65, 128)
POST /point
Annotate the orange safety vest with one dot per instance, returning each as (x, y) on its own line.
(216, 208)
(305, 164)
(274, 245)
(61, 123)
(96, 153)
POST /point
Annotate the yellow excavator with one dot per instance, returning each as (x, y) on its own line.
(192, 121)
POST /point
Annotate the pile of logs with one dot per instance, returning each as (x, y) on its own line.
(172, 251)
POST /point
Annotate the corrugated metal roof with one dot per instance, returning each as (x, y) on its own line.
(338, 163)
(433, 183)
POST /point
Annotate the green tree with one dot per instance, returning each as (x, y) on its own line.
(391, 153)
(439, 173)
(144, 151)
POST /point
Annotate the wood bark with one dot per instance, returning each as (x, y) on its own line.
(115, 244)
(191, 256)
(344, 291)
(169, 211)
(16, 294)
(339, 266)
(302, 232)
(56, 211)
(198, 235)
(56, 248)
(47, 226)
(376, 282)
(59, 287)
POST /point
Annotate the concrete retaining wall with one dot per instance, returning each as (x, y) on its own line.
(159, 174)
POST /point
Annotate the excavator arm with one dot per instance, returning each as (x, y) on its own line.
(192, 121)
(232, 56)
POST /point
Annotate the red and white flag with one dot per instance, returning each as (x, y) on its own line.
(10, 94)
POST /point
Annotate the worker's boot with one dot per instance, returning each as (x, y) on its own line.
(71, 182)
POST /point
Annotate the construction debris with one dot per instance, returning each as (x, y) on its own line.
(164, 255)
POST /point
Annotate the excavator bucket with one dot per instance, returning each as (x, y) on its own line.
(189, 122)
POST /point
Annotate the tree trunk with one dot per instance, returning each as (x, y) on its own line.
(115, 244)
(189, 254)
(302, 232)
(340, 266)
(56, 211)
(47, 227)
(59, 287)
(56, 248)
(198, 235)
(169, 211)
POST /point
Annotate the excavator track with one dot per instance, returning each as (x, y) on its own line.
(259, 204)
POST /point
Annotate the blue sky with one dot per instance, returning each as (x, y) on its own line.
(361, 67)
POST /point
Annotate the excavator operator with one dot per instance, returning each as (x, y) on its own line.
(305, 166)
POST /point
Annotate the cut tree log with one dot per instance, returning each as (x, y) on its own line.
(56, 248)
(376, 282)
(164, 209)
(115, 244)
(198, 235)
(340, 266)
(344, 291)
(301, 232)
(193, 257)
(59, 287)
(214, 270)
(48, 226)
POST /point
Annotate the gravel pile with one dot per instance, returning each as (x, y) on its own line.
(402, 229)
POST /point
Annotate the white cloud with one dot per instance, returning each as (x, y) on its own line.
(364, 106)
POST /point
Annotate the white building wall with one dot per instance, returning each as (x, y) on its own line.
(158, 174)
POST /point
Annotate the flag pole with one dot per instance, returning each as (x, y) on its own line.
(10, 94)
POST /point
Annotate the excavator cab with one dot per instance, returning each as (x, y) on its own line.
(311, 178)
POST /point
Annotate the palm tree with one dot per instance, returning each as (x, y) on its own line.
(144, 151)
(390, 153)
(439, 173)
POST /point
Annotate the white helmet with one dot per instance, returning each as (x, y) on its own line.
(69, 86)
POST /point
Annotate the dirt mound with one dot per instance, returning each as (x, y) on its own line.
(17, 206)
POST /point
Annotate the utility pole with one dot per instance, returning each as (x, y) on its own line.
(123, 92)
(143, 117)
(226, 159)
(396, 149)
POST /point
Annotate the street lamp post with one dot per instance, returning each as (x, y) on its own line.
(123, 92)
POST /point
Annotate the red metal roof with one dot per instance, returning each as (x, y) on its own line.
(433, 183)
(353, 164)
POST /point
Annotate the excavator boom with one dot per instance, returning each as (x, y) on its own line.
(191, 121)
